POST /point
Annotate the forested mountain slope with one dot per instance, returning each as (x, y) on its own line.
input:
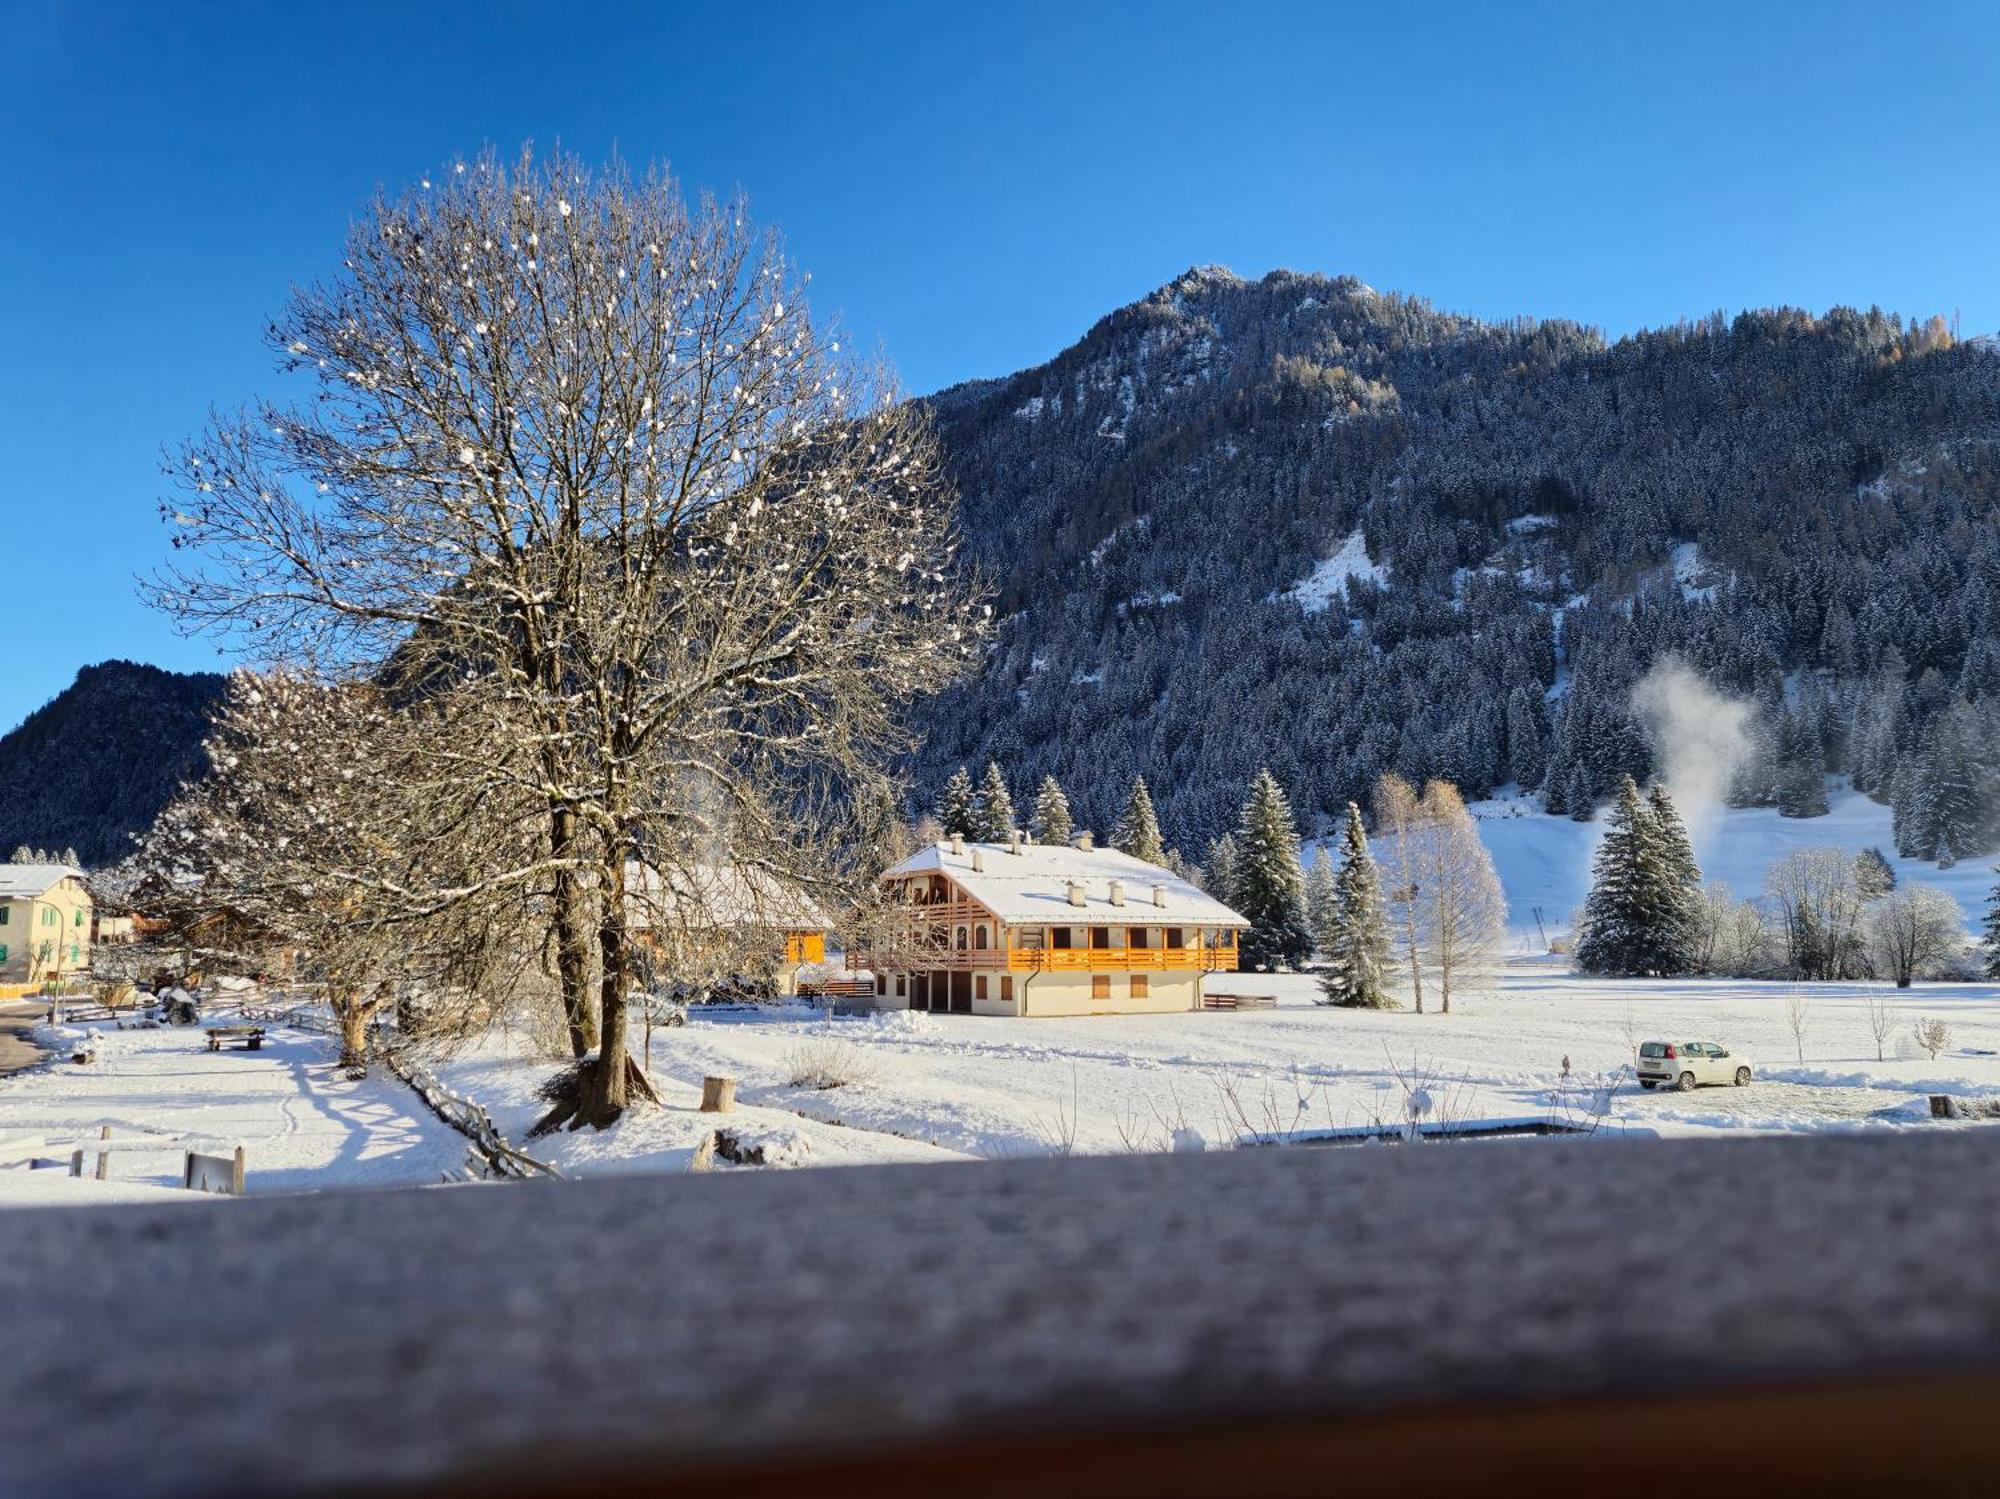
(95, 764)
(1300, 522)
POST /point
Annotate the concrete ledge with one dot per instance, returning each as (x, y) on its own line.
(752, 1331)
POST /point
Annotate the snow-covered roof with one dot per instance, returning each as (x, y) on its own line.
(26, 881)
(720, 895)
(1032, 886)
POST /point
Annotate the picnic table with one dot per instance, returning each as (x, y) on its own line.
(252, 1036)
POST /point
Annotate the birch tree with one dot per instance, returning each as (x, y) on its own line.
(577, 447)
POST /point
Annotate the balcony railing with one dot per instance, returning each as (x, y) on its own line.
(1207, 959)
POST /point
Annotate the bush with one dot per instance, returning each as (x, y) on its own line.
(1933, 1035)
(826, 1063)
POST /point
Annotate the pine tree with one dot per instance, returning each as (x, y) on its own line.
(1138, 831)
(1679, 899)
(1270, 885)
(1800, 768)
(1320, 899)
(1357, 943)
(1582, 805)
(1525, 757)
(956, 806)
(1874, 875)
(1051, 820)
(1218, 869)
(1619, 934)
(1992, 931)
(993, 811)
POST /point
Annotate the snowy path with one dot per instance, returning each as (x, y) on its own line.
(17, 1050)
(305, 1125)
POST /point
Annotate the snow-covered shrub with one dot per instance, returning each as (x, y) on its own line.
(1933, 1035)
(823, 1062)
(906, 1023)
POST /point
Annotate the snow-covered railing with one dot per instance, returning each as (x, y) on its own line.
(469, 1118)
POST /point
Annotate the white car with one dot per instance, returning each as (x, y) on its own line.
(1688, 1064)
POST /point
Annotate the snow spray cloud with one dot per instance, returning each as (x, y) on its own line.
(1699, 738)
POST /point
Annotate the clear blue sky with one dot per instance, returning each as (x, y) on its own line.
(972, 185)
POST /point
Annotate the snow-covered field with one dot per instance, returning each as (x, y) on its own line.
(304, 1125)
(935, 1087)
(1544, 861)
(945, 1088)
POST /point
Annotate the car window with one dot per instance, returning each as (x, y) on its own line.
(1653, 1049)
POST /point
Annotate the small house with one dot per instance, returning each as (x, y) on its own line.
(743, 914)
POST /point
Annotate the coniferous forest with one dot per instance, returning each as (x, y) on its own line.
(1523, 519)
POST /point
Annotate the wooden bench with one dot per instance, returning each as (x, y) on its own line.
(1239, 1001)
(252, 1036)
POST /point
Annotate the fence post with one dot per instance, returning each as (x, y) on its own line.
(236, 1176)
(103, 1159)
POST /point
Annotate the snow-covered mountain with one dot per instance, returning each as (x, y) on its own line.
(1301, 522)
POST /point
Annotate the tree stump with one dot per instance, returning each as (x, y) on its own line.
(718, 1095)
(1944, 1106)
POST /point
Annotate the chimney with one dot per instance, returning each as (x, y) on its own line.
(1076, 892)
(958, 843)
(1014, 841)
(1085, 840)
(978, 861)
(1117, 892)
(1160, 896)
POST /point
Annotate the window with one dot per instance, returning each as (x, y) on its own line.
(79, 918)
(75, 953)
(5, 912)
(1007, 988)
(1100, 937)
(1100, 986)
(48, 915)
(882, 983)
(979, 986)
(3, 952)
(960, 943)
(1059, 936)
(979, 937)
(902, 986)
(1139, 937)
(1139, 986)
(1175, 936)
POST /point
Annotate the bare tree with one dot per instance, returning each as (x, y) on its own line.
(1464, 912)
(1911, 929)
(579, 450)
(1882, 1021)
(318, 838)
(1398, 816)
(1819, 901)
(1798, 1011)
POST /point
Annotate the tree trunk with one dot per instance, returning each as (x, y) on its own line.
(606, 1093)
(1416, 961)
(352, 1016)
(572, 940)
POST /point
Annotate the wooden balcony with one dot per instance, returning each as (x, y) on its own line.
(1220, 958)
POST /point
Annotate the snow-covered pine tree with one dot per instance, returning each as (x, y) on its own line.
(1356, 943)
(1581, 803)
(1800, 768)
(1874, 875)
(1270, 885)
(993, 810)
(957, 806)
(1680, 897)
(1138, 830)
(1218, 869)
(1525, 756)
(1050, 821)
(1621, 914)
(1992, 934)
(1320, 899)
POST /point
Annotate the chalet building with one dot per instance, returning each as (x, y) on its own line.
(772, 928)
(1021, 928)
(45, 929)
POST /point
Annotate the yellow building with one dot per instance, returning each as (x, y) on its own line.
(741, 914)
(1021, 928)
(45, 929)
